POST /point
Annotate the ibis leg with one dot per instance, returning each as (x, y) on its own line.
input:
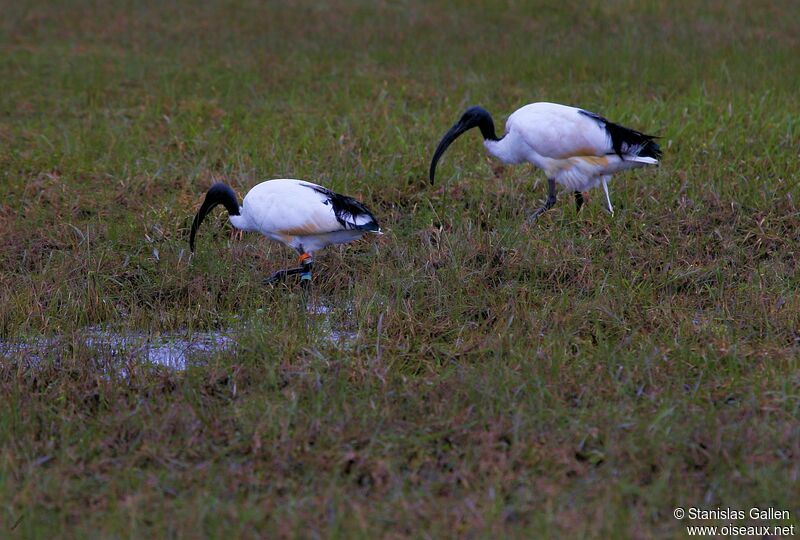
(306, 262)
(578, 201)
(305, 275)
(548, 204)
(608, 199)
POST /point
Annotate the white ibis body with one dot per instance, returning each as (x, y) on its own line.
(301, 215)
(575, 148)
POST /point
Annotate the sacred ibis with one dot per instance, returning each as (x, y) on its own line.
(576, 148)
(299, 214)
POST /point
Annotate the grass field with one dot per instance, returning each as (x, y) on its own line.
(581, 377)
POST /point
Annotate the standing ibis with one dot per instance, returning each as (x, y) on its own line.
(299, 214)
(575, 148)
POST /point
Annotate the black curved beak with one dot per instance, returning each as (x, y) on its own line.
(207, 206)
(452, 134)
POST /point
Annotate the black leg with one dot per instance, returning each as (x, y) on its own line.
(305, 276)
(578, 201)
(548, 204)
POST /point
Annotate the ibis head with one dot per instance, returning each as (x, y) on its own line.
(473, 117)
(219, 193)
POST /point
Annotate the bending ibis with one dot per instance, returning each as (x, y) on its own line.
(298, 214)
(576, 148)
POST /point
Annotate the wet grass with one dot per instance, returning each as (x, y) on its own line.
(579, 378)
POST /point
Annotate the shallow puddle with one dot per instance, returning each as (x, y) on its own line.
(174, 350)
(170, 350)
(343, 338)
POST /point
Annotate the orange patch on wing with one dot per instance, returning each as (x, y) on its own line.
(580, 152)
(305, 230)
(595, 160)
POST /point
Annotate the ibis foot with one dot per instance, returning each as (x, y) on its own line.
(549, 203)
(278, 276)
(304, 270)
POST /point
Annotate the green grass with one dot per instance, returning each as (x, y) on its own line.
(581, 377)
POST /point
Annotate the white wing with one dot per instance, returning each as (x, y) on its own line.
(557, 131)
(291, 208)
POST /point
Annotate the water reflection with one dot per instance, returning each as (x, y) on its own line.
(173, 350)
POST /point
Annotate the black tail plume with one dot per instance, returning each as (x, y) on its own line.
(624, 140)
(219, 193)
(348, 211)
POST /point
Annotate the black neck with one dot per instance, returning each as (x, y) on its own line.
(487, 128)
(481, 118)
(223, 194)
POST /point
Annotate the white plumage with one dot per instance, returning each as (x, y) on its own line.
(299, 214)
(575, 148)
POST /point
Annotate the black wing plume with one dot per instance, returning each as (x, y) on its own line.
(347, 209)
(624, 139)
